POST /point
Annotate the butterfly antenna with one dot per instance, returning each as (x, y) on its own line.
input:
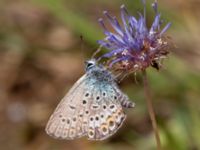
(118, 76)
(82, 46)
(123, 77)
(135, 76)
(96, 52)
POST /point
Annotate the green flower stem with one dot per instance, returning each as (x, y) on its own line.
(151, 110)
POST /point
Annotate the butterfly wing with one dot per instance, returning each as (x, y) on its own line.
(106, 112)
(91, 108)
(67, 122)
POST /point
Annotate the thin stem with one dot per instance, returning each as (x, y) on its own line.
(151, 110)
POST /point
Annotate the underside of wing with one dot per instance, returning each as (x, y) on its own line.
(67, 122)
(106, 113)
(91, 108)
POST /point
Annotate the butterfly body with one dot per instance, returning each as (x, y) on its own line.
(92, 107)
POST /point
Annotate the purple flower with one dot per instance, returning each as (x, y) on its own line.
(133, 46)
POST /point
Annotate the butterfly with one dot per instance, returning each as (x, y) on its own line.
(93, 107)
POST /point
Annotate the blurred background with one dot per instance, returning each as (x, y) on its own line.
(43, 44)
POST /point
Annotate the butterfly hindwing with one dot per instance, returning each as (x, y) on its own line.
(106, 113)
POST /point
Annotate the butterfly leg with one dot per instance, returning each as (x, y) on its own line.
(125, 102)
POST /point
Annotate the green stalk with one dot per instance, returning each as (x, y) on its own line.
(151, 110)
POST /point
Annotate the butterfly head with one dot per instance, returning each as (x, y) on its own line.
(89, 64)
(97, 71)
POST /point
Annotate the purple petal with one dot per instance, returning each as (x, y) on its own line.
(165, 28)
(131, 35)
(113, 52)
(133, 25)
(115, 24)
(118, 60)
(118, 27)
(142, 26)
(155, 7)
(105, 44)
(155, 24)
(115, 39)
(124, 15)
(106, 32)
(135, 46)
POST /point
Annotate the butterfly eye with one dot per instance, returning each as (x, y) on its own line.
(89, 64)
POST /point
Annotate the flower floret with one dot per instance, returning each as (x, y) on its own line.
(132, 46)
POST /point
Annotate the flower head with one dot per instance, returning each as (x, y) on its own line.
(133, 46)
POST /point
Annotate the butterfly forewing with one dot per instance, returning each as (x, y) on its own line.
(66, 122)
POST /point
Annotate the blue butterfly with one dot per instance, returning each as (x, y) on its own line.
(93, 107)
